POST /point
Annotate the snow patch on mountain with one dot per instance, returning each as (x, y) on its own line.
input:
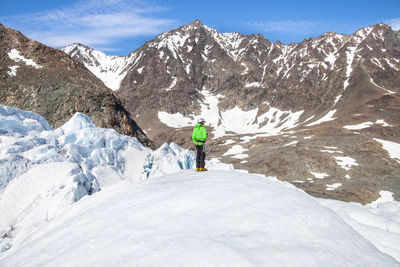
(172, 85)
(15, 55)
(319, 175)
(326, 118)
(13, 70)
(236, 120)
(331, 187)
(176, 120)
(392, 148)
(387, 90)
(234, 150)
(366, 125)
(346, 162)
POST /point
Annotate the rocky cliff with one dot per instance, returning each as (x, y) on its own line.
(47, 81)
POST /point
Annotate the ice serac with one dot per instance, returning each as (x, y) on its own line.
(21, 122)
(168, 158)
(45, 170)
(44, 80)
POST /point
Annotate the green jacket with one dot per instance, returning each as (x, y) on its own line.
(199, 134)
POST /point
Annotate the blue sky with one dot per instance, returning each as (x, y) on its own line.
(121, 26)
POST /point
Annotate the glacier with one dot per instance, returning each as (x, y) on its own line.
(41, 165)
(83, 195)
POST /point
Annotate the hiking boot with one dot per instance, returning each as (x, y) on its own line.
(203, 169)
(198, 169)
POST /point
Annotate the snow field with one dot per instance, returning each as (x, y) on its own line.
(39, 194)
(378, 222)
(209, 219)
(236, 120)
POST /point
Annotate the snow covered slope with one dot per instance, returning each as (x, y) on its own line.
(81, 195)
(111, 70)
(44, 170)
(189, 219)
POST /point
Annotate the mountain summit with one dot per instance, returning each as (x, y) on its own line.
(197, 23)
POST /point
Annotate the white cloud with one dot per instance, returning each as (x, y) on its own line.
(394, 23)
(93, 23)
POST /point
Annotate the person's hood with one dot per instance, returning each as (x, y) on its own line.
(198, 125)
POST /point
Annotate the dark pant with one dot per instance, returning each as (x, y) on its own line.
(201, 156)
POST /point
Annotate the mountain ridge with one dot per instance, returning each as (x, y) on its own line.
(38, 78)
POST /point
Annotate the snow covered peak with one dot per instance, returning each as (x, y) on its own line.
(111, 70)
(197, 24)
(75, 46)
(175, 40)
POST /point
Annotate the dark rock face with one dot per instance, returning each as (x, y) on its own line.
(56, 86)
(330, 82)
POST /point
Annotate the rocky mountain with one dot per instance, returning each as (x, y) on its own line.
(47, 81)
(323, 114)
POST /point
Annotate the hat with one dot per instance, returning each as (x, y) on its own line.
(200, 120)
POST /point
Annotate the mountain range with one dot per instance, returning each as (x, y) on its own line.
(322, 114)
(316, 113)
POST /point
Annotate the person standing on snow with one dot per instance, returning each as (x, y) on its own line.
(199, 138)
